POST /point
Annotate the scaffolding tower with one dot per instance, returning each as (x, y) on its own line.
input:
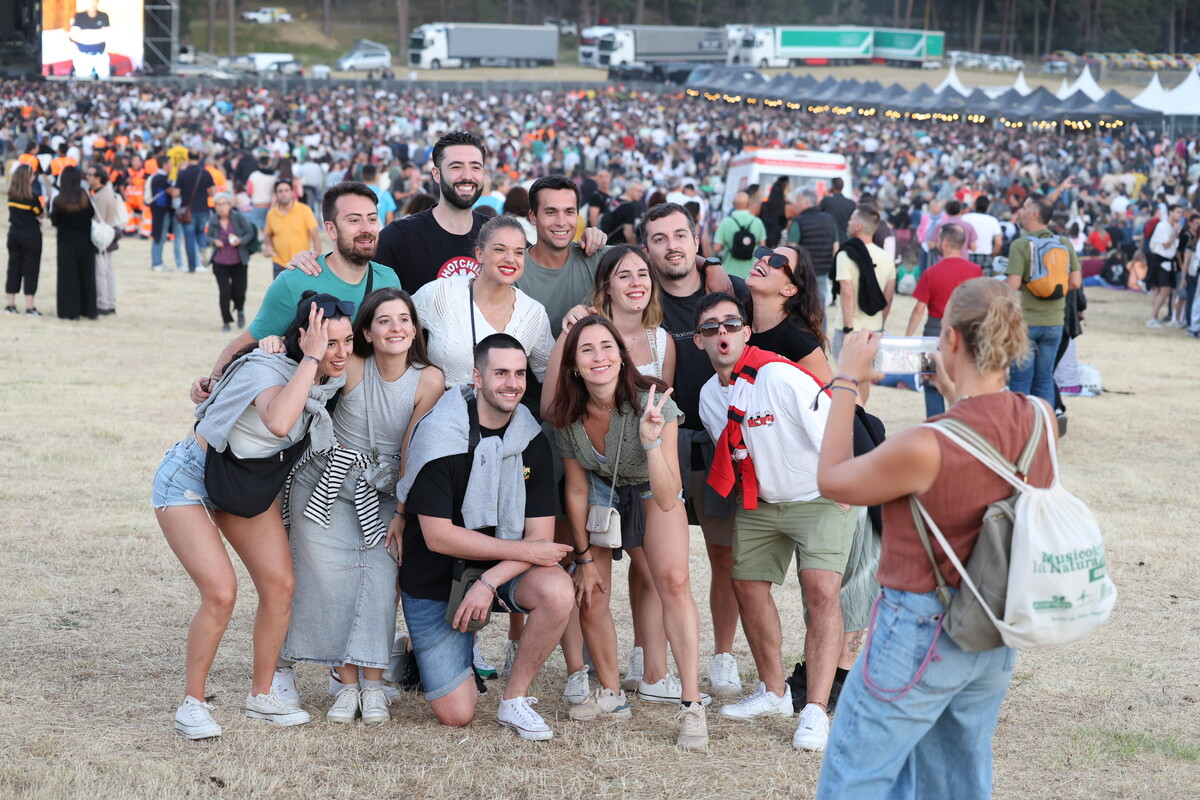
(162, 36)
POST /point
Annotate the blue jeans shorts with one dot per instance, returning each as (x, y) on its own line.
(444, 654)
(180, 477)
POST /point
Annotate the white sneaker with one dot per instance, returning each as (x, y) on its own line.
(1177, 323)
(284, 685)
(666, 690)
(194, 721)
(482, 668)
(602, 704)
(335, 686)
(518, 715)
(510, 656)
(723, 675)
(1153, 323)
(635, 670)
(693, 728)
(375, 704)
(813, 731)
(577, 687)
(760, 704)
(201, 268)
(272, 709)
(346, 707)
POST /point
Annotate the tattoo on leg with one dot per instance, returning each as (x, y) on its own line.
(856, 642)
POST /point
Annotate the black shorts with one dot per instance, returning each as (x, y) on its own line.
(1161, 273)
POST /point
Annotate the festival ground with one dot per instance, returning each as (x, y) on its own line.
(96, 607)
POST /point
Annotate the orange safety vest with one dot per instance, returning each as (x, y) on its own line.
(59, 163)
(31, 160)
(220, 183)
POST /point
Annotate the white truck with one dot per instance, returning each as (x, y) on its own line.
(266, 15)
(789, 46)
(440, 45)
(637, 45)
(589, 44)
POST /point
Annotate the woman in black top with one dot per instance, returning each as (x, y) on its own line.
(774, 211)
(24, 240)
(72, 212)
(788, 317)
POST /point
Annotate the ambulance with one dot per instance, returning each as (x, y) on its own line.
(802, 167)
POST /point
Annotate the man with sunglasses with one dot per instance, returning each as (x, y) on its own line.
(759, 407)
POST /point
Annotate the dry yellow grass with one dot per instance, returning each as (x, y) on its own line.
(94, 606)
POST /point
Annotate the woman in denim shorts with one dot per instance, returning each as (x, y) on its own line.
(262, 405)
(602, 404)
(917, 715)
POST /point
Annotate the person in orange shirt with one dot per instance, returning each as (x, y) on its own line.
(220, 182)
(291, 227)
(61, 162)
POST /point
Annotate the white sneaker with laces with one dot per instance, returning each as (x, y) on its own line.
(346, 706)
(635, 670)
(284, 685)
(760, 704)
(602, 704)
(723, 675)
(1153, 323)
(510, 656)
(335, 686)
(482, 668)
(577, 687)
(273, 710)
(374, 705)
(519, 715)
(693, 728)
(813, 731)
(667, 689)
(194, 720)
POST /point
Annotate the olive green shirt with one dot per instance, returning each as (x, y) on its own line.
(1038, 310)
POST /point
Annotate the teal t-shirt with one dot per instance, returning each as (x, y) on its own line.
(725, 233)
(278, 307)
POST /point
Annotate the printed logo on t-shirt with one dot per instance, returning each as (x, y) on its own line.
(459, 265)
(759, 420)
(525, 472)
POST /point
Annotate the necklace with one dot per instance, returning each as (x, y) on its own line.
(969, 396)
(599, 407)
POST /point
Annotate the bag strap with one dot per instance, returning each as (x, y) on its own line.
(612, 486)
(196, 186)
(943, 592)
(368, 381)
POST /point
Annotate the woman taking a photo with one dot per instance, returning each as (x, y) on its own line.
(264, 407)
(619, 444)
(230, 235)
(72, 212)
(24, 240)
(344, 609)
(917, 715)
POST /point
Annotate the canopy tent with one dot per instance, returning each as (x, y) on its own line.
(1184, 99)
(1153, 97)
(919, 99)
(952, 82)
(872, 94)
(978, 102)
(1007, 103)
(1039, 104)
(1086, 84)
(891, 94)
(1021, 85)
(1114, 104)
(1064, 90)
(1075, 102)
(814, 93)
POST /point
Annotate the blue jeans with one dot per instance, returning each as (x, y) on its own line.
(935, 741)
(1036, 376)
(193, 234)
(934, 402)
(167, 226)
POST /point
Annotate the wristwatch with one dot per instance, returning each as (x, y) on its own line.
(847, 329)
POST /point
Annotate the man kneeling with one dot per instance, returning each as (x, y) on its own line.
(480, 493)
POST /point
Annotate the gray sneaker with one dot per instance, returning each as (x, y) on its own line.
(273, 710)
(194, 720)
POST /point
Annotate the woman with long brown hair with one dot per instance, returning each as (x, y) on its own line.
(72, 212)
(24, 240)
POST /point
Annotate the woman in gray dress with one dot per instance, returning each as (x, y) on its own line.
(341, 505)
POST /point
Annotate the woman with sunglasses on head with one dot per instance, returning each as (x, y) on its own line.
(626, 292)
(343, 534)
(265, 406)
(786, 310)
(617, 431)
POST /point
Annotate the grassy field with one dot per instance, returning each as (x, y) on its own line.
(95, 607)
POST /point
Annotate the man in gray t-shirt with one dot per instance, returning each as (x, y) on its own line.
(557, 272)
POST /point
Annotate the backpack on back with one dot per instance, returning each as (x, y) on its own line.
(1037, 576)
(1148, 233)
(1049, 266)
(743, 244)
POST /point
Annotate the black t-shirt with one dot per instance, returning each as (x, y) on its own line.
(438, 491)
(86, 22)
(628, 213)
(189, 189)
(786, 339)
(421, 250)
(692, 367)
(840, 208)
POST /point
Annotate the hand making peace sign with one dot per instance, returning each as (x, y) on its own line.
(650, 428)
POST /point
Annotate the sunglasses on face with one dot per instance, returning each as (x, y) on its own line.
(774, 260)
(330, 308)
(731, 325)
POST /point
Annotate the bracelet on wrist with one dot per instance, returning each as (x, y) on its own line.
(847, 329)
(487, 585)
(582, 561)
(841, 386)
(583, 551)
(316, 361)
(652, 445)
(847, 378)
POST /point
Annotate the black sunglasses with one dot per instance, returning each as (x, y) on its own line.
(329, 308)
(774, 260)
(731, 325)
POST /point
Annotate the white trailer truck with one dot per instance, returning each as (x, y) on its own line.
(439, 45)
(788, 46)
(634, 45)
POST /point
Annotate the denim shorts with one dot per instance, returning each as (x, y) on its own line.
(180, 477)
(598, 490)
(443, 653)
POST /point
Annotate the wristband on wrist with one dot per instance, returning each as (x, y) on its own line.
(840, 386)
(652, 445)
(582, 561)
(847, 378)
(848, 329)
(316, 361)
(583, 551)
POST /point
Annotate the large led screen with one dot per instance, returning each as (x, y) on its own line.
(92, 38)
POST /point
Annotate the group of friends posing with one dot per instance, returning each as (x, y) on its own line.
(517, 393)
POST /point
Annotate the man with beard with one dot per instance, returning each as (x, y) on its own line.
(348, 273)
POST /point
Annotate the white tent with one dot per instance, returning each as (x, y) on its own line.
(952, 82)
(1064, 90)
(1087, 84)
(1021, 85)
(1153, 97)
(1184, 99)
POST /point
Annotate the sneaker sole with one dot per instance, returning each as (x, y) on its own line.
(622, 713)
(692, 747)
(810, 748)
(376, 720)
(532, 736)
(756, 715)
(571, 699)
(282, 720)
(705, 700)
(197, 734)
(340, 720)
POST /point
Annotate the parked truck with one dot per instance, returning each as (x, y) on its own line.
(789, 46)
(589, 44)
(455, 44)
(908, 48)
(634, 45)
